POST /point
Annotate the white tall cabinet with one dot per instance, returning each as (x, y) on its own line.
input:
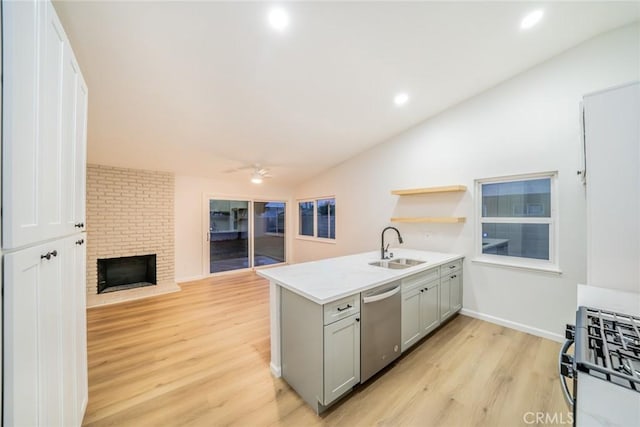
(44, 118)
(612, 153)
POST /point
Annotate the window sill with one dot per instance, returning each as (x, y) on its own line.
(316, 239)
(550, 269)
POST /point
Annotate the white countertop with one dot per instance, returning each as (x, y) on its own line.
(330, 279)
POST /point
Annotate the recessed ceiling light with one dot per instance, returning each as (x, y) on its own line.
(531, 19)
(400, 99)
(278, 19)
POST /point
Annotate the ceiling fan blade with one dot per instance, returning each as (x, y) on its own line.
(241, 168)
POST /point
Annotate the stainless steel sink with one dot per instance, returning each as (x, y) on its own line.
(389, 264)
(407, 261)
(397, 264)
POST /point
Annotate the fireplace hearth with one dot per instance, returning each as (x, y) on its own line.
(117, 274)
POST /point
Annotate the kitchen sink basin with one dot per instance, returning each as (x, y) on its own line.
(389, 264)
(397, 264)
(407, 261)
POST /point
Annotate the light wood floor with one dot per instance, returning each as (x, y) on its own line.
(200, 357)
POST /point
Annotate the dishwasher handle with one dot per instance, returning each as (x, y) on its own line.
(378, 297)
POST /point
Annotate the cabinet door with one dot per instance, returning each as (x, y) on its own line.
(80, 325)
(81, 154)
(411, 331)
(341, 357)
(70, 76)
(445, 297)
(40, 177)
(429, 308)
(74, 344)
(75, 140)
(456, 291)
(68, 343)
(50, 111)
(33, 383)
(20, 144)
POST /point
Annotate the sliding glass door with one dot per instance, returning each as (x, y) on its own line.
(269, 235)
(243, 234)
(228, 235)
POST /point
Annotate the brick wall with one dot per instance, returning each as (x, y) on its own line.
(129, 212)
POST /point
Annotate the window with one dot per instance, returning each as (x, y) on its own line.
(326, 218)
(517, 219)
(305, 215)
(317, 218)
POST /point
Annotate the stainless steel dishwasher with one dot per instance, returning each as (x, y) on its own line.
(380, 333)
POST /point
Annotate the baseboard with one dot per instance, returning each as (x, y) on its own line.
(513, 325)
(190, 279)
(85, 401)
(275, 370)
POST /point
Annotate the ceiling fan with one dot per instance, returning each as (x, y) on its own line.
(257, 176)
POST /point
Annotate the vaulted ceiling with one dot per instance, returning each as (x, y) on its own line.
(202, 87)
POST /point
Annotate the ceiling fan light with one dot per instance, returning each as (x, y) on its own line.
(256, 178)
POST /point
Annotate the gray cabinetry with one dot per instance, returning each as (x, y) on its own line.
(320, 347)
(341, 357)
(411, 331)
(428, 298)
(419, 306)
(429, 310)
(450, 289)
(445, 297)
(456, 291)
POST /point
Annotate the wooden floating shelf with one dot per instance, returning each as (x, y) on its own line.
(447, 189)
(443, 220)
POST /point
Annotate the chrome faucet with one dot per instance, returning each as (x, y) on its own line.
(383, 249)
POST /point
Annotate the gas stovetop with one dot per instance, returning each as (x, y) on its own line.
(607, 346)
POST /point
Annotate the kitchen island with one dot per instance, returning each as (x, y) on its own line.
(315, 307)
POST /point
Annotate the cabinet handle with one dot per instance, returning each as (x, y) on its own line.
(344, 308)
(452, 266)
(421, 290)
(426, 289)
(79, 225)
(454, 276)
(79, 242)
(48, 255)
(357, 319)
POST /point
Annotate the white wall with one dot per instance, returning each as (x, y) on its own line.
(527, 124)
(190, 231)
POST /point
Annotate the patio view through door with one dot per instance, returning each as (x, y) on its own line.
(243, 234)
(269, 233)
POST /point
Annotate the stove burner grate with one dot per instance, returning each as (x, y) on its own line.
(613, 341)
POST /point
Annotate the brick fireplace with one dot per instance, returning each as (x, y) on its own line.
(130, 213)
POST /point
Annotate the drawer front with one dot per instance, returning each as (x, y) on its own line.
(342, 308)
(451, 267)
(414, 281)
